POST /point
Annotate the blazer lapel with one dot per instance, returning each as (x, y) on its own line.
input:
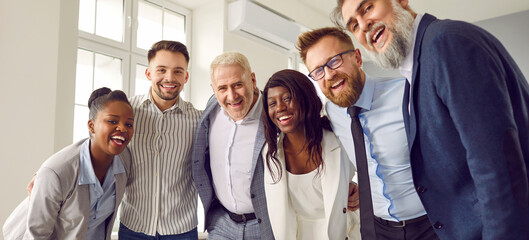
(282, 218)
(426, 20)
(258, 146)
(121, 182)
(84, 197)
(330, 182)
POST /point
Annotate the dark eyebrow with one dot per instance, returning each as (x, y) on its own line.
(360, 5)
(163, 66)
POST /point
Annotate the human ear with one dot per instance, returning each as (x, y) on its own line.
(91, 126)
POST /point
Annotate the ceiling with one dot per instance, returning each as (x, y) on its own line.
(467, 10)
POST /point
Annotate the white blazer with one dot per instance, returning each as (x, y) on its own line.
(335, 178)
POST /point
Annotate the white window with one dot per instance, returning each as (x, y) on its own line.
(114, 37)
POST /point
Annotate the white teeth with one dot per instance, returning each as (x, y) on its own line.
(376, 34)
(118, 137)
(336, 84)
(284, 117)
(165, 86)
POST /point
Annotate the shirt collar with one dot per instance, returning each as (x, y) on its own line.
(406, 67)
(86, 170)
(365, 99)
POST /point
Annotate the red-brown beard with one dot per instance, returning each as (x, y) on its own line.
(351, 92)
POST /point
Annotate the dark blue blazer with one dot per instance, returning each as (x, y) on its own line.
(468, 132)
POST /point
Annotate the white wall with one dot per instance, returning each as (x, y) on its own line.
(207, 43)
(37, 65)
(513, 32)
(210, 38)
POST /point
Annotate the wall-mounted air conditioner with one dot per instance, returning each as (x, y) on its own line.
(254, 21)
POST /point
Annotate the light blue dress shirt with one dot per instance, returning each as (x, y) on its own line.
(394, 195)
(102, 198)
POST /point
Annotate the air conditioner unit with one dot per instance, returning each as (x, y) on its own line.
(254, 21)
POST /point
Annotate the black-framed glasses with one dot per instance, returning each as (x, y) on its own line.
(335, 62)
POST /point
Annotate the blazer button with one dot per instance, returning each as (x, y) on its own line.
(252, 195)
(259, 220)
(438, 225)
(421, 189)
(344, 210)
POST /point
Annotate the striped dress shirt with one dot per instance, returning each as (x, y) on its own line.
(160, 196)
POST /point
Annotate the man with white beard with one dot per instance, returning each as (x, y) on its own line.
(466, 114)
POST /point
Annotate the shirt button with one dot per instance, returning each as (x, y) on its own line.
(344, 210)
(421, 189)
(438, 225)
(252, 195)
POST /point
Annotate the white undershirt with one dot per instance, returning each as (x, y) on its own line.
(306, 198)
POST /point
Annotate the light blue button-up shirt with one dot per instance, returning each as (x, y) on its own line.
(394, 195)
(102, 198)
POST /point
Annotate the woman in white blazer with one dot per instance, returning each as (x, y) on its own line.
(77, 191)
(307, 175)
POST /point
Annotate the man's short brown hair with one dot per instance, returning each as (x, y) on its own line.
(171, 46)
(307, 39)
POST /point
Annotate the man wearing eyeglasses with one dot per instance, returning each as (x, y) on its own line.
(335, 65)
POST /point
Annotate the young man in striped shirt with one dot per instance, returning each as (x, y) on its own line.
(160, 199)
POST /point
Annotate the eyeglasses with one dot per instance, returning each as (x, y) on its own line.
(335, 62)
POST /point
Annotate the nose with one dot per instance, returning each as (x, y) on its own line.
(122, 127)
(364, 24)
(170, 75)
(281, 106)
(329, 73)
(232, 94)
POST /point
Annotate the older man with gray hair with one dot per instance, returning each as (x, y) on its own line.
(227, 164)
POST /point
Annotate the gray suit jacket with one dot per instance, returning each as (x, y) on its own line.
(66, 214)
(202, 172)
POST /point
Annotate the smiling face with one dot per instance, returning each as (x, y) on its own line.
(383, 27)
(343, 85)
(234, 90)
(283, 110)
(111, 130)
(167, 72)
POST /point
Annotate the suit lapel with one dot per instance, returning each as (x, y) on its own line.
(426, 20)
(258, 146)
(121, 181)
(330, 182)
(84, 198)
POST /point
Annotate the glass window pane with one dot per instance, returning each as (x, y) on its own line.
(149, 25)
(107, 72)
(87, 12)
(174, 26)
(80, 121)
(84, 76)
(109, 19)
(142, 84)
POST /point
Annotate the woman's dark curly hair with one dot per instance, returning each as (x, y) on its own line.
(309, 105)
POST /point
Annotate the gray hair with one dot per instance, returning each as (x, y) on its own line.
(336, 15)
(231, 58)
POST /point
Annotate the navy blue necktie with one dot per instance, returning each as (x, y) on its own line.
(367, 220)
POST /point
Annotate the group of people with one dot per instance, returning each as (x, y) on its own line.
(442, 153)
